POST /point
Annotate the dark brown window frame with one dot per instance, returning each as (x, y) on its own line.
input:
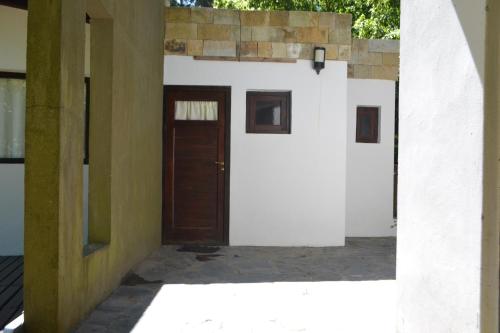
(19, 4)
(22, 76)
(374, 113)
(23, 4)
(285, 98)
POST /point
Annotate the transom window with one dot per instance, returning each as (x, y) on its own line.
(196, 110)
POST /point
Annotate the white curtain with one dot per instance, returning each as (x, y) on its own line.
(195, 110)
(12, 113)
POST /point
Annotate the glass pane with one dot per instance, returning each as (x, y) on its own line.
(365, 125)
(85, 121)
(12, 113)
(268, 113)
(196, 110)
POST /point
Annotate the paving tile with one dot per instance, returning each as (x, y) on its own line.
(362, 260)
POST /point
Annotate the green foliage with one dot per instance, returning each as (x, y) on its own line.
(232, 4)
(371, 18)
(191, 3)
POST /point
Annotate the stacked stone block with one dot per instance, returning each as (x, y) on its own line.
(209, 33)
(256, 34)
(374, 59)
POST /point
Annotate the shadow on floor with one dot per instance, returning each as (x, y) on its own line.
(11, 288)
(238, 274)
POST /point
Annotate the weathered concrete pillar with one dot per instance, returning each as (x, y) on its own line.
(61, 283)
(491, 204)
(54, 152)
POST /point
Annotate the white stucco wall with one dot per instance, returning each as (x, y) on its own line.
(13, 28)
(13, 31)
(11, 209)
(286, 190)
(440, 165)
(13, 34)
(370, 175)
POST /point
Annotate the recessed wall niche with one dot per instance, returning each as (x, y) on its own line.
(101, 106)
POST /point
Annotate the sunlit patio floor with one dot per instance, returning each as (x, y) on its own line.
(256, 289)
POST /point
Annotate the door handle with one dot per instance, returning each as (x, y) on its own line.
(221, 163)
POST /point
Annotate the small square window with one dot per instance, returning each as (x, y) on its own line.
(268, 112)
(367, 124)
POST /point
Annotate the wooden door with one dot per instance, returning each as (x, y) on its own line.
(196, 169)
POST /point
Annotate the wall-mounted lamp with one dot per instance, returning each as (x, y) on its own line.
(319, 58)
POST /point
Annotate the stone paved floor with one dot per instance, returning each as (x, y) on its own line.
(256, 289)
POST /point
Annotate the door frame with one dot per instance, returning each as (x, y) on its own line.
(227, 152)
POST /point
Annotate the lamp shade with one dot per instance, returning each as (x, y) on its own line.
(319, 58)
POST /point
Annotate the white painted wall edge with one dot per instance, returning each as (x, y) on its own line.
(370, 166)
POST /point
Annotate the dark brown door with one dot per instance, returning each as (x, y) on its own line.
(196, 172)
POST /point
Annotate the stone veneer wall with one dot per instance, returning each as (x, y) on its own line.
(276, 36)
(256, 34)
(374, 59)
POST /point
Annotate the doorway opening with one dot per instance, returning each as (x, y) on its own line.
(196, 148)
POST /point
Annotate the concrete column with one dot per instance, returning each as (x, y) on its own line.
(54, 152)
(447, 265)
(491, 205)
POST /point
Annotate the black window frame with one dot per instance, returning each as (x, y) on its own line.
(18, 76)
(87, 122)
(22, 76)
